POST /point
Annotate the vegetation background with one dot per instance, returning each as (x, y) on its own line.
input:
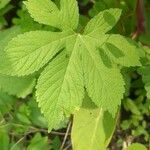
(22, 126)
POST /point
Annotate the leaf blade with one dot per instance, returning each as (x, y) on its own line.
(64, 18)
(121, 50)
(103, 22)
(92, 128)
(18, 86)
(69, 14)
(65, 85)
(29, 52)
(103, 91)
(48, 14)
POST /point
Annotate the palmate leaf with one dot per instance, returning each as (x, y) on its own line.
(73, 62)
(55, 95)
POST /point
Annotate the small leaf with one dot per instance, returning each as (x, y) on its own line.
(130, 105)
(4, 139)
(19, 86)
(6, 103)
(3, 3)
(145, 72)
(136, 146)
(38, 142)
(56, 143)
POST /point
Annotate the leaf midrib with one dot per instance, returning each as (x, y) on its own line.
(66, 71)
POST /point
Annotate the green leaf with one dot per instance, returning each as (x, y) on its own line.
(121, 50)
(60, 88)
(49, 14)
(145, 72)
(136, 146)
(19, 86)
(103, 22)
(25, 22)
(5, 37)
(35, 115)
(100, 6)
(3, 3)
(69, 14)
(4, 140)
(6, 103)
(45, 12)
(92, 128)
(104, 92)
(31, 51)
(144, 39)
(73, 61)
(56, 143)
(130, 105)
(38, 142)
